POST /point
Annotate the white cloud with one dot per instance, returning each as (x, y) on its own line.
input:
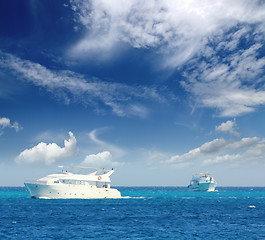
(118, 152)
(176, 28)
(71, 86)
(228, 126)
(221, 42)
(231, 84)
(223, 159)
(256, 151)
(5, 122)
(244, 142)
(48, 154)
(229, 35)
(217, 151)
(207, 148)
(102, 160)
(214, 146)
(253, 155)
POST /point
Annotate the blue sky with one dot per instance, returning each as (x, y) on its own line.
(158, 90)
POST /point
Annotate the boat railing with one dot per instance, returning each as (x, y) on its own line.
(37, 182)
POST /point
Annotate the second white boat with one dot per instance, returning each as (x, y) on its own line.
(202, 182)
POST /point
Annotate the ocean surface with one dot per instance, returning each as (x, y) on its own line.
(144, 213)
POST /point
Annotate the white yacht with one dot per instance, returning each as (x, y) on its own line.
(202, 182)
(67, 185)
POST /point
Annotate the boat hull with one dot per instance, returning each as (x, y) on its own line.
(70, 191)
(204, 187)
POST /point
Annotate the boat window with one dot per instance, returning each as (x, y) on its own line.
(57, 181)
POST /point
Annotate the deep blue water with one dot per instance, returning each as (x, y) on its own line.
(150, 213)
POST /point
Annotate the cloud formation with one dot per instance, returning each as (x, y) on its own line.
(228, 126)
(231, 84)
(118, 152)
(207, 148)
(217, 44)
(70, 86)
(215, 152)
(6, 123)
(253, 155)
(179, 30)
(48, 154)
(102, 160)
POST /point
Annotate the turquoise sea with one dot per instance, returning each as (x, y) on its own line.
(146, 213)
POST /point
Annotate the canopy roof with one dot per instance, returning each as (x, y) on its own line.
(93, 177)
